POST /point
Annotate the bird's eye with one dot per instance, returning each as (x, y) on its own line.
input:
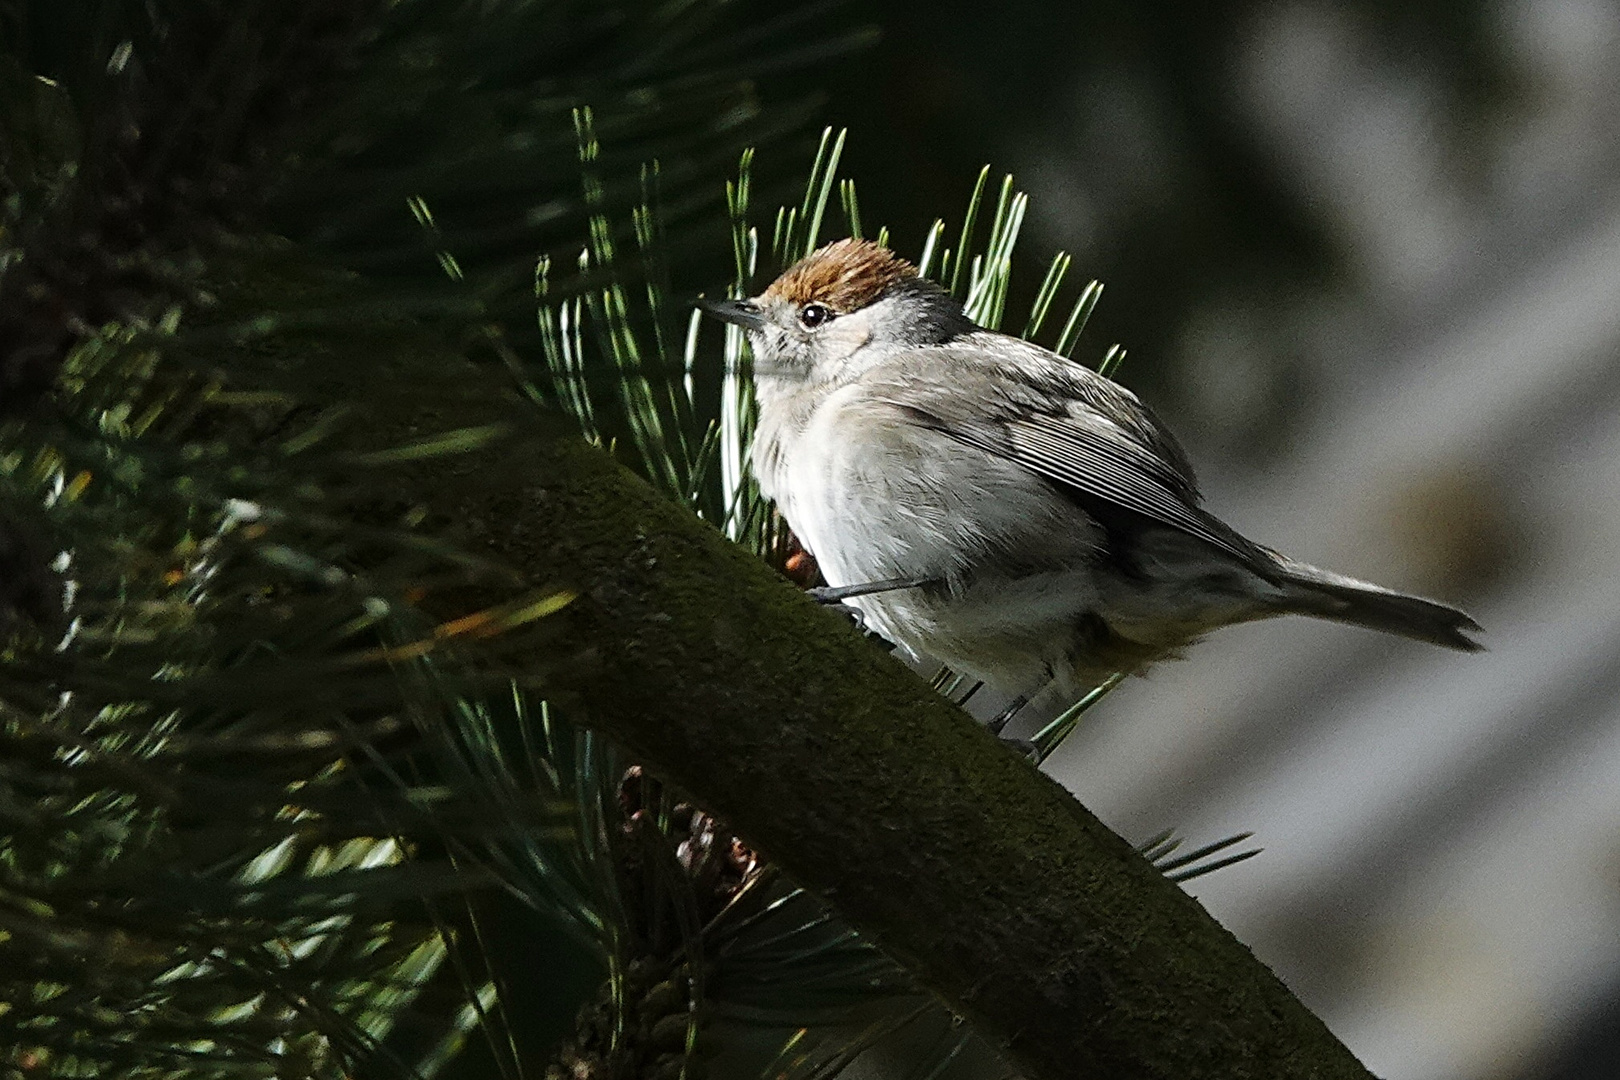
(813, 315)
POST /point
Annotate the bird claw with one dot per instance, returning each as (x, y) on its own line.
(857, 618)
(849, 611)
(1004, 717)
(1023, 747)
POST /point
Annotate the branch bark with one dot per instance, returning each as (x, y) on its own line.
(987, 880)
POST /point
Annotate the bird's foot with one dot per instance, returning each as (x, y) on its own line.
(1024, 747)
(857, 618)
(848, 611)
(1004, 717)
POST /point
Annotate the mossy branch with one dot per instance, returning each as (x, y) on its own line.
(999, 891)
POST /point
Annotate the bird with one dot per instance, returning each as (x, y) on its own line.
(996, 506)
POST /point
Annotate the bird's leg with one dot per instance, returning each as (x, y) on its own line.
(834, 596)
(837, 594)
(1002, 718)
(1022, 746)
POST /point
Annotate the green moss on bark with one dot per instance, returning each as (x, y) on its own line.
(984, 877)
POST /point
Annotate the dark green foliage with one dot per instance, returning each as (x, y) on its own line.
(247, 781)
(155, 129)
(265, 815)
(280, 791)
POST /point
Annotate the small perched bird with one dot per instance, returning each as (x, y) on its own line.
(1003, 509)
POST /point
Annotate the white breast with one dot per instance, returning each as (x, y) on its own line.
(864, 492)
(873, 495)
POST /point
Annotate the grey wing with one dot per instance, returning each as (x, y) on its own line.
(1068, 424)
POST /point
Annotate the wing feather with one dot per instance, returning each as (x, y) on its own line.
(1063, 422)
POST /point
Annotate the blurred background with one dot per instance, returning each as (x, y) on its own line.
(1366, 258)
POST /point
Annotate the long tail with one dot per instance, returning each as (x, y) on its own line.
(1327, 595)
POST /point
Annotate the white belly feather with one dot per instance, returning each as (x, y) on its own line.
(874, 496)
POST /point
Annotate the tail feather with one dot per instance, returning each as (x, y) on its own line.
(1332, 596)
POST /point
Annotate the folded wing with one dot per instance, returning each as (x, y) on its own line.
(1068, 424)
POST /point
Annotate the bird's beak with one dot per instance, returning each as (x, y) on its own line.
(745, 313)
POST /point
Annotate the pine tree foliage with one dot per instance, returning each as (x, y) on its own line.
(256, 800)
(282, 791)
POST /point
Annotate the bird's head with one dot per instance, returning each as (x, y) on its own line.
(817, 320)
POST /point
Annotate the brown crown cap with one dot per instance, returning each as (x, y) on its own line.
(846, 275)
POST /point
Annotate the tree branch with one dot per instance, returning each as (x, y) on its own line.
(982, 876)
